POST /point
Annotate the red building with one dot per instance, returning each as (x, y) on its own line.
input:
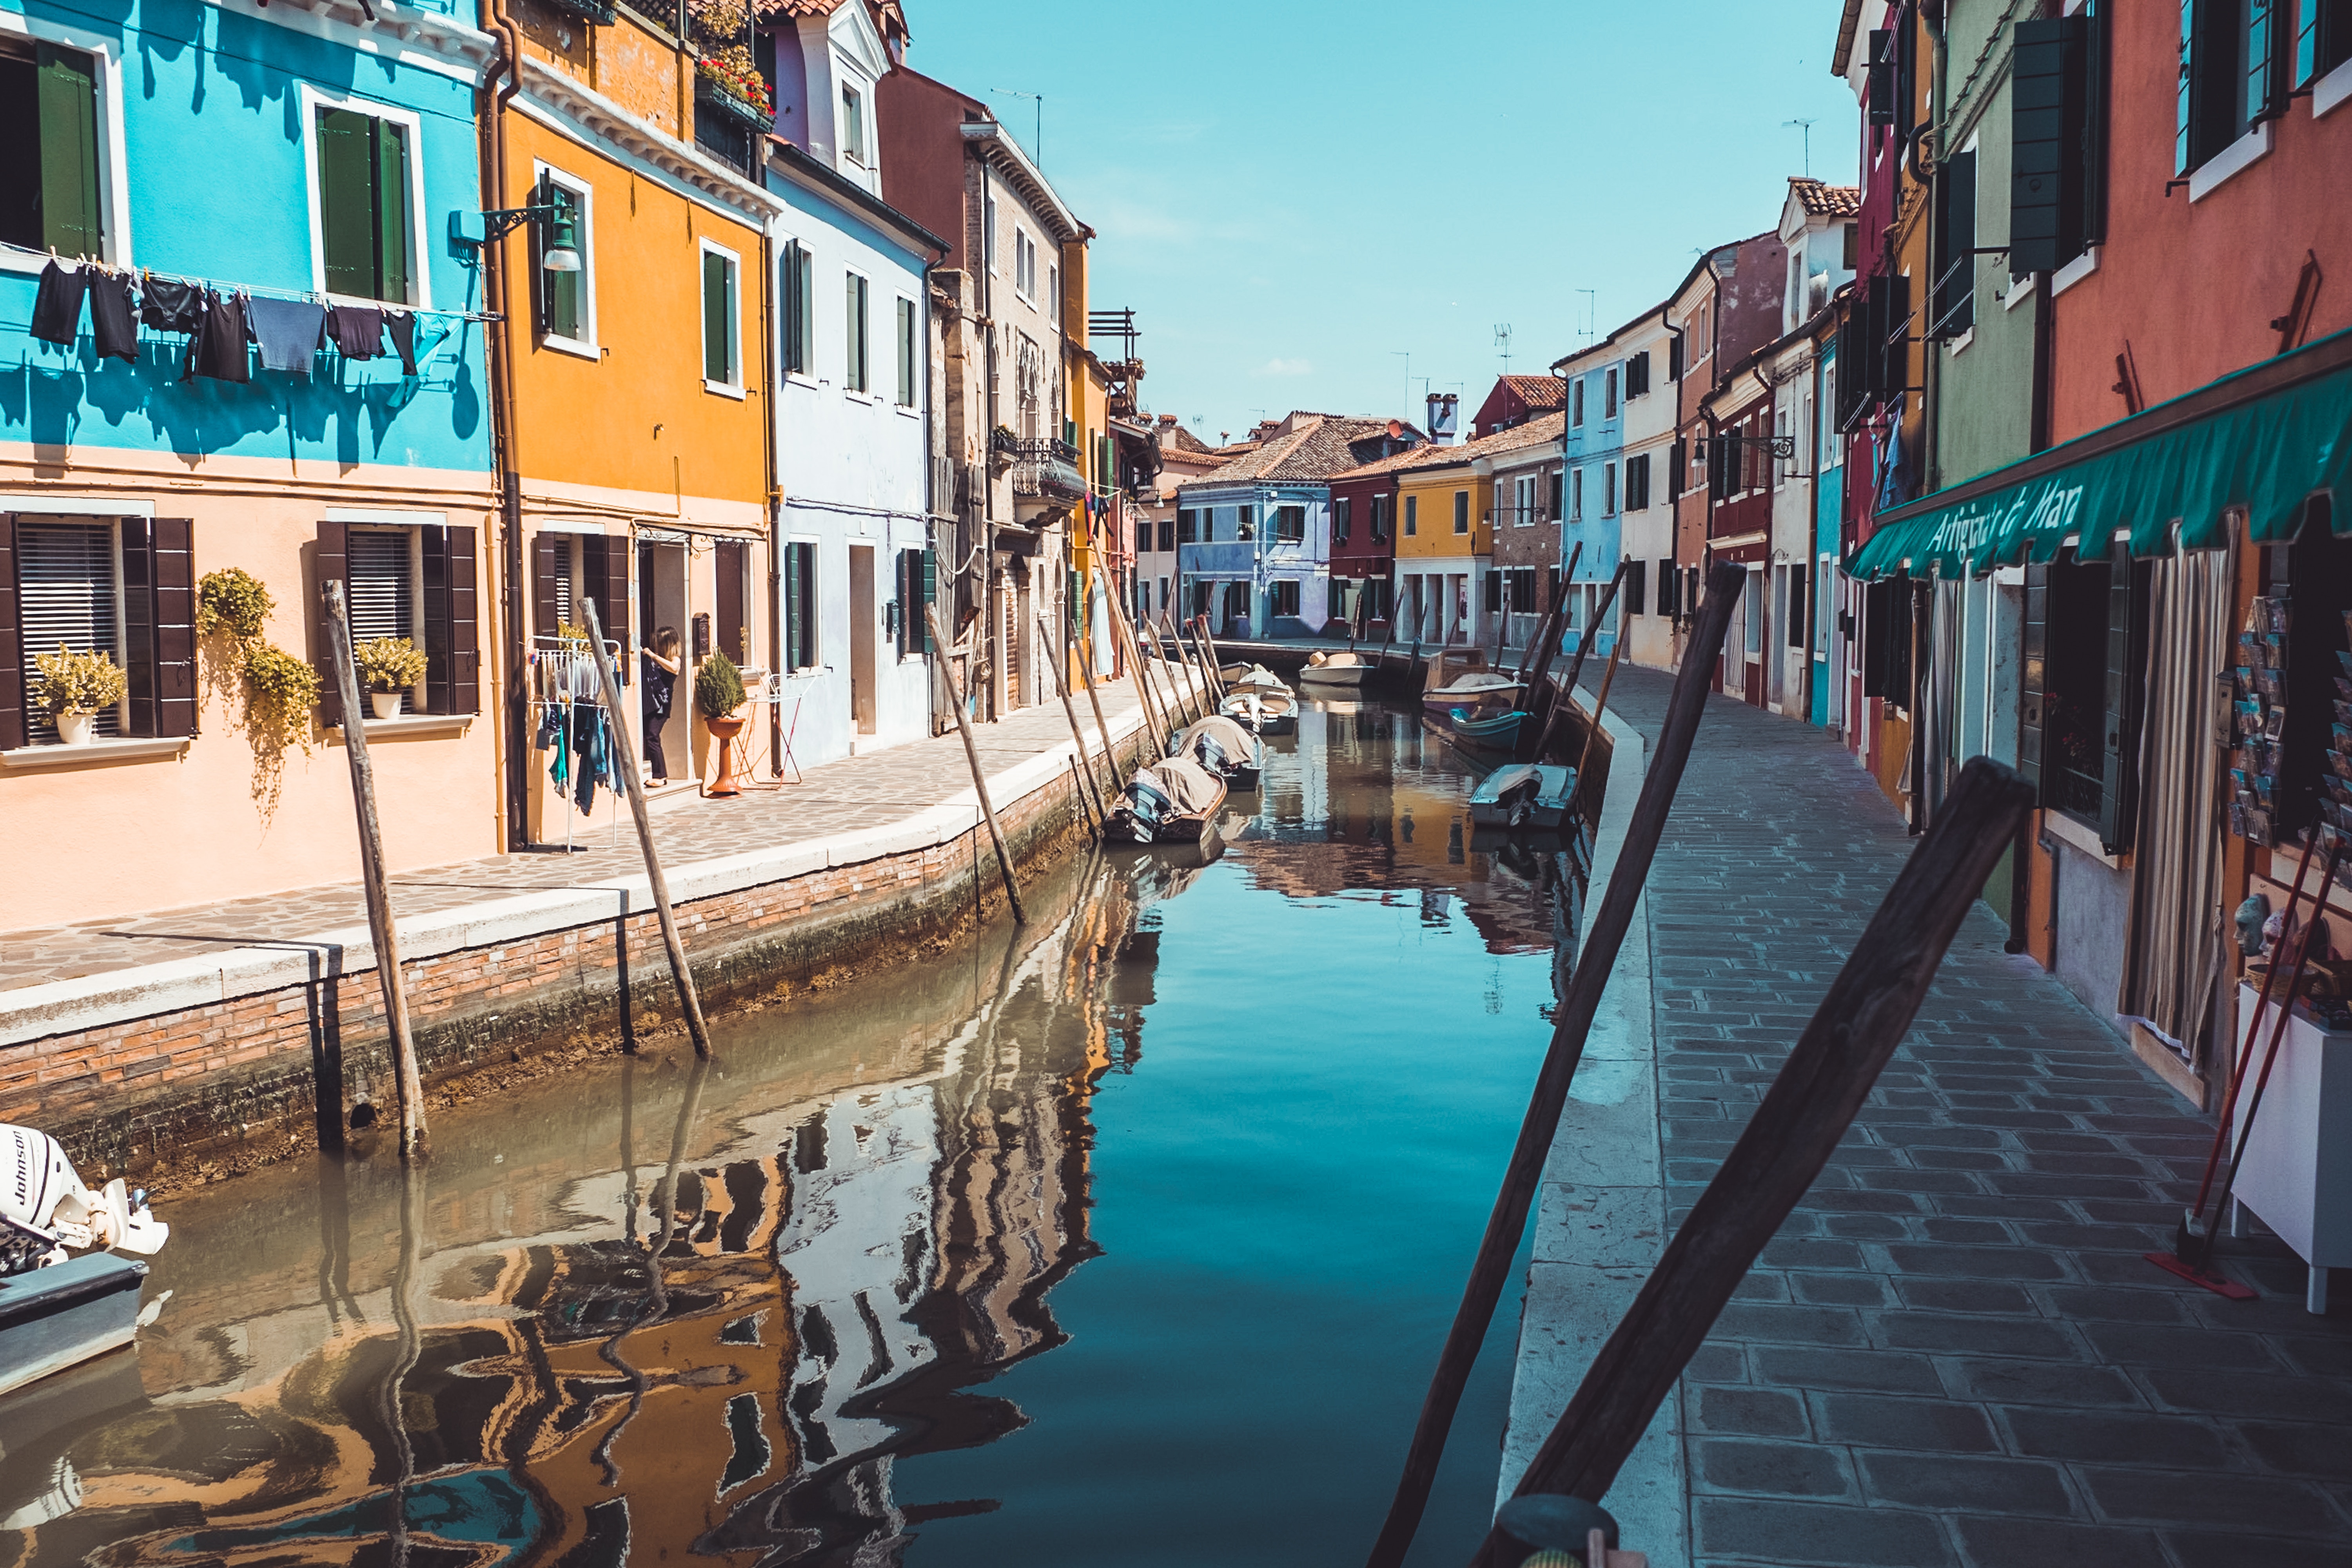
(1364, 529)
(1517, 400)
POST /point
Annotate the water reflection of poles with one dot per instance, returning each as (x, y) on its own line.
(657, 1291)
(335, 1241)
(411, 1345)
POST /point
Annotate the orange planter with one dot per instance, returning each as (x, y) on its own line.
(724, 731)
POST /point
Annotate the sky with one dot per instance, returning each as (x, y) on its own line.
(1294, 195)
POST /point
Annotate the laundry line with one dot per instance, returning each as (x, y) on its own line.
(260, 291)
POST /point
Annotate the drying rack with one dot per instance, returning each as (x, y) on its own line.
(563, 666)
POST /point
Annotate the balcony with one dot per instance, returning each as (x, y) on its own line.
(1047, 471)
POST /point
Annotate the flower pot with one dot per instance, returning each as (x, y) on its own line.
(73, 728)
(386, 704)
(724, 731)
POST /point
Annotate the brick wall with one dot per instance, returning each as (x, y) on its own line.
(150, 1094)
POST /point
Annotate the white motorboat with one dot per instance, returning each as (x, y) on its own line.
(1523, 795)
(1257, 700)
(1343, 668)
(57, 1310)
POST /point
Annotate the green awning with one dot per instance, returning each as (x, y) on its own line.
(2265, 438)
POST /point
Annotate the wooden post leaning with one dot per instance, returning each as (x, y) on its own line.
(1093, 700)
(1178, 665)
(1069, 709)
(626, 750)
(1592, 734)
(1154, 719)
(979, 780)
(1213, 685)
(1543, 640)
(408, 1084)
(1811, 1103)
(1185, 660)
(1572, 1024)
(1566, 695)
(1207, 646)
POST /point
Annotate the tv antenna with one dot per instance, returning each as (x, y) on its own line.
(1503, 343)
(1805, 126)
(1036, 141)
(1591, 327)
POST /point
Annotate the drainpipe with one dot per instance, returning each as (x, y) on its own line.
(510, 699)
(771, 380)
(989, 619)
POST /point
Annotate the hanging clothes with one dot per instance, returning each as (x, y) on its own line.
(56, 305)
(170, 304)
(289, 330)
(113, 316)
(401, 326)
(357, 329)
(219, 351)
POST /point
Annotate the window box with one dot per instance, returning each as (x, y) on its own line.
(96, 753)
(603, 13)
(412, 726)
(724, 100)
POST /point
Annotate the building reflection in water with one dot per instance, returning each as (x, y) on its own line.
(719, 1354)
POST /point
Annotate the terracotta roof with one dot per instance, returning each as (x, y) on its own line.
(1542, 431)
(1315, 447)
(1824, 200)
(1398, 462)
(1535, 392)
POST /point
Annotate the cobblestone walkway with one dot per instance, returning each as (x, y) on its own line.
(1953, 1352)
(855, 792)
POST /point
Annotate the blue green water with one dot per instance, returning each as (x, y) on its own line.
(1129, 1237)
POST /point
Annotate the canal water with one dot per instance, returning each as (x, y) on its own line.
(1127, 1238)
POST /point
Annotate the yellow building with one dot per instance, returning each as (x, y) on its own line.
(1443, 543)
(636, 365)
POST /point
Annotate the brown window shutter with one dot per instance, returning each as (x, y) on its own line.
(543, 582)
(730, 560)
(333, 567)
(139, 624)
(175, 577)
(12, 649)
(452, 641)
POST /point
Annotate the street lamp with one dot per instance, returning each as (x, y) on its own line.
(560, 227)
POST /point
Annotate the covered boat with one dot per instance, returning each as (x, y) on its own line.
(1344, 668)
(1257, 700)
(58, 1311)
(1225, 748)
(1522, 795)
(1173, 801)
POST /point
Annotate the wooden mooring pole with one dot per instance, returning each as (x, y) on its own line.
(1565, 697)
(1153, 719)
(408, 1085)
(979, 780)
(1812, 1101)
(1093, 700)
(1591, 735)
(1070, 710)
(1572, 1024)
(626, 752)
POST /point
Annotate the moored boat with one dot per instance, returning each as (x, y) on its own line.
(1473, 690)
(1523, 795)
(1489, 731)
(1257, 700)
(1224, 747)
(1344, 668)
(1171, 802)
(58, 1311)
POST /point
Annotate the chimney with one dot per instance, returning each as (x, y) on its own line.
(1396, 429)
(1167, 419)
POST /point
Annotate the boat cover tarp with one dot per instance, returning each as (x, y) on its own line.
(1235, 740)
(1192, 786)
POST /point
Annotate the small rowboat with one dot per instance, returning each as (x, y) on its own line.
(1225, 748)
(1259, 701)
(1473, 690)
(1487, 732)
(1171, 802)
(1339, 669)
(1522, 795)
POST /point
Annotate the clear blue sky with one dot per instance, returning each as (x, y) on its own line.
(1289, 192)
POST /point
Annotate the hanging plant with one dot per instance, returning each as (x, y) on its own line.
(389, 664)
(281, 691)
(718, 687)
(231, 602)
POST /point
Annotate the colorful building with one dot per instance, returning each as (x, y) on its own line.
(1260, 564)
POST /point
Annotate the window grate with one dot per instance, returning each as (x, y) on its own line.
(65, 586)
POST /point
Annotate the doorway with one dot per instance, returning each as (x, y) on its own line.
(661, 602)
(861, 638)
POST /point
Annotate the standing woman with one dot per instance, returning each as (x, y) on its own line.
(661, 661)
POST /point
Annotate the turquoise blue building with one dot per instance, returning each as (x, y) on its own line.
(1592, 499)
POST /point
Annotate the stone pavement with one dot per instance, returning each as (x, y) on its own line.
(1953, 1352)
(873, 791)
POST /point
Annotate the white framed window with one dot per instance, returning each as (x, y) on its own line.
(857, 371)
(567, 300)
(1609, 394)
(1054, 295)
(988, 233)
(68, 161)
(366, 182)
(909, 347)
(1576, 494)
(383, 574)
(1608, 489)
(796, 308)
(69, 593)
(1024, 264)
(853, 125)
(1576, 401)
(723, 321)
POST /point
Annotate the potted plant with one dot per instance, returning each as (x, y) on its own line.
(719, 693)
(73, 686)
(388, 666)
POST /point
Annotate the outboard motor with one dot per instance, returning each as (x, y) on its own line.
(45, 1208)
(1146, 809)
(1212, 757)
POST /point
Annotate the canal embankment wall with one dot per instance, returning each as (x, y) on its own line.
(199, 1065)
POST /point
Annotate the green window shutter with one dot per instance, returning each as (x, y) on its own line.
(930, 594)
(67, 94)
(2045, 88)
(390, 192)
(559, 291)
(346, 205)
(854, 332)
(715, 356)
(806, 315)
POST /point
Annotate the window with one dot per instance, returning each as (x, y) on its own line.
(1553, 483)
(2229, 81)
(1637, 375)
(1576, 401)
(1143, 537)
(1953, 310)
(917, 586)
(1852, 255)
(49, 185)
(1798, 599)
(1341, 506)
(1608, 489)
(2083, 674)
(1523, 501)
(363, 206)
(379, 591)
(857, 373)
(1411, 515)
(1163, 596)
(1637, 482)
(721, 367)
(800, 606)
(1166, 533)
(908, 339)
(1576, 494)
(67, 596)
(1245, 525)
(853, 125)
(1381, 505)
(1636, 581)
(1025, 263)
(1187, 526)
(1491, 590)
(1609, 394)
(563, 297)
(1669, 599)
(1290, 525)
(988, 233)
(1054, 295)
(2323, 38)
(1284, 597)
(1461, 511)
(2058, 134)
(796, 308)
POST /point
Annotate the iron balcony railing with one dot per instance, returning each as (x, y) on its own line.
(1047, 471)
